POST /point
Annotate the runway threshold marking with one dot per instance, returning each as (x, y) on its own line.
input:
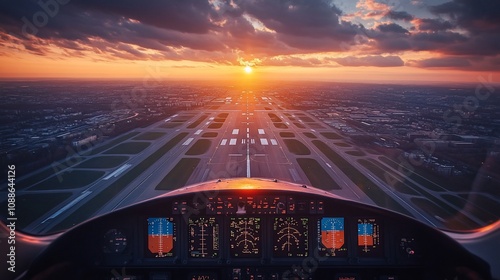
(232, 142)
(274, 142)
(261, 131)
(223, 142)
(236, 131)
(264, 142)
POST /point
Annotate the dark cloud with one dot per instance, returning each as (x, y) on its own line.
(392, 27)
(374, 60)
(399, 15)
(480, 18)
(306, 18)
(447, 62)
(191, 16)
(475, 15)
(428, 24)
(227, 31)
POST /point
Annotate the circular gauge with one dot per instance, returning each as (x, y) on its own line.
(408, 247)
(244, 238)
(291, 237)
(114, 241)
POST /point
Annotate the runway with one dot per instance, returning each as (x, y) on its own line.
(243, 134)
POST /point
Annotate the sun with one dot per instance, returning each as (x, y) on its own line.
(248, 69)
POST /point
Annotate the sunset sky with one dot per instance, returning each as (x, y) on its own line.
(333, 40)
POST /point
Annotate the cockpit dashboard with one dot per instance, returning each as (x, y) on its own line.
(254, 229)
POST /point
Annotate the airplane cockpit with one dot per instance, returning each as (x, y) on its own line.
(246, 228)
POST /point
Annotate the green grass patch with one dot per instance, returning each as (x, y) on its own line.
(171, 125)
(299, 125)
(306, 119)
(342, 144)
(318, 177)
(427, 179)
(483, 208)
(455, 221)
(296, 147)
(280, 125)
(88, 209)
(403, 184)
(199, 148)
(390, 178)
(274, 117)
(356, 153)
(215, 125)
(69, 180)
(30, 207)
(197, 122)
(182, 119)
(210, 134)
(110, 144)
(331, 135)
(287, 134)
(315, 126)
(103, 162)
(128, 148)
(366, 185)
(47, 172)
(310, 135)
(178, 176)
(149, 136)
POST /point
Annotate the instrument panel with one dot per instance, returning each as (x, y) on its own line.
(250, 234)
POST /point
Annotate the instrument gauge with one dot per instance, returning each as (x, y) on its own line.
(114, 241)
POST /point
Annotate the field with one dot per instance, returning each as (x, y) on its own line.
(128, 148)
(69, 180)
(318, 177)
(296, 147)
(149, 136)
(30, 207)
(200, 147)
(178, 176)
(103, 162)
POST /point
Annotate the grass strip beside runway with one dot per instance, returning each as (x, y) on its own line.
(178, 176)
(373, 191)
(149, 136)
(197, 122)
(103, 162)
(92, 206)
(318, 177)
(30, 207)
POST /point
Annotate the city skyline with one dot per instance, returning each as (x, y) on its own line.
(345, 41)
